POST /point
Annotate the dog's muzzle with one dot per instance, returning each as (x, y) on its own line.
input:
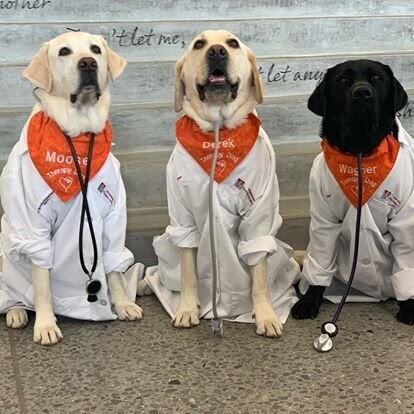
(88, 84)
(362, 119)
(217, 87)
(363, 98)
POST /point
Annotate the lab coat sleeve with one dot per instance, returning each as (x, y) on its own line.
(26, 232)
(259, 225)
(401, 227)
(116, 257)
(319, 264)
(183, 230)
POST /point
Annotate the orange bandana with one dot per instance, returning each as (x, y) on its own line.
(375, 168)
(235, 144)
(53, 159)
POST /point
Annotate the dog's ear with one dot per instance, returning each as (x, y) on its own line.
(257, 81)
(38, 70)
(116, 63)
(317, 101)
(399, 95)
(179, 89)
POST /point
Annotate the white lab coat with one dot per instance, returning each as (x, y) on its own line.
(245, 234)
(38, 227)
(386, 252)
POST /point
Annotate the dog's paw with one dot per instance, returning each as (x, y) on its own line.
(406, 312)
(307, 307)
(143, 289)
(46, 331)
(267, 322)
(17, 318)
(128, 311)
(186, 316)
(305, 310)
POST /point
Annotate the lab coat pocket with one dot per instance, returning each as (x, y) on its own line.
(381, 213)
(231, 201)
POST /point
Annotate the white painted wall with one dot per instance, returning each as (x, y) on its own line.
(294, 40)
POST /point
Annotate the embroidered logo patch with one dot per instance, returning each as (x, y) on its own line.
(247, 192)
(391, 199)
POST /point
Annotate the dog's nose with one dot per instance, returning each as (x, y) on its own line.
(362, 92)
(87, 63)
(217, 53)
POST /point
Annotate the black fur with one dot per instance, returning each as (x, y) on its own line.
(357, 101)
(357, 124)
(309, 304)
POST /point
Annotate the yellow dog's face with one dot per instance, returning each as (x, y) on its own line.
(216, 69)
(76, 66)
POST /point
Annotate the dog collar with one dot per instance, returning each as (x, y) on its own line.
(375, 167)
(53, 159)
(235, 144)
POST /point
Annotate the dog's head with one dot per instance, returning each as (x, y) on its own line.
(76, 66)
(358, 101)
(218, 71)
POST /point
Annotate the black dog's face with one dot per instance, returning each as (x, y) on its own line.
(358, 101)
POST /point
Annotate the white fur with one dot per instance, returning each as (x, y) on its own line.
(72, 119)
(187, 312)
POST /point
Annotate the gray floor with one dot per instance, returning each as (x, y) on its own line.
(149, 367)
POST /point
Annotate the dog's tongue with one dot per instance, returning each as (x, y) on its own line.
(217, 79)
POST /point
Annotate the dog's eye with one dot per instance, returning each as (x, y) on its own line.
(233, 43)
(96, 49)
(376, 77)
(64, 51)
(343, 79)
(199, 44)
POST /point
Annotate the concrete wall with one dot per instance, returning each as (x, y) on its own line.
(294, 40)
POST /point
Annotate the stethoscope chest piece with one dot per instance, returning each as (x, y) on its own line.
(93, 286)
(92, 298)
(330, 328)
(323, 343)
(217, 326)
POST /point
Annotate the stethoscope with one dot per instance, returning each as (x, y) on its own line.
(323, 343)
(216, 321)
(93, 286)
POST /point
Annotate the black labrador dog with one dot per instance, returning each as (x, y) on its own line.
(357, 101)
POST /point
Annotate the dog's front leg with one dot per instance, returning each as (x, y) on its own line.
(187, 312)
(267, 322)
(46, 331)
(125, 308)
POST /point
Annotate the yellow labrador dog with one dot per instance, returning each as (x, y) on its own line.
(42, 198)
(217, 80)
